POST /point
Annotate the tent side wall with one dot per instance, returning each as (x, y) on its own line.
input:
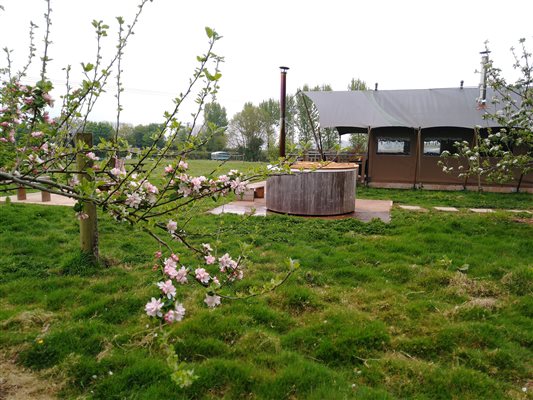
(385, 163)
(433, 138)
(398, 157)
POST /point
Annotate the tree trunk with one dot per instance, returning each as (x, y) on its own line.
(89, 225)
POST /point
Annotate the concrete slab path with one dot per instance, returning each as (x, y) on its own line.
(35, 198)
(447, 209)
(413, 208)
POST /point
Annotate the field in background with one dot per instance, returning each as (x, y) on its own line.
(431, 306)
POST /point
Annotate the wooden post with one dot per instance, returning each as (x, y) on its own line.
(89, 225)
(21, 193)
(45, 196)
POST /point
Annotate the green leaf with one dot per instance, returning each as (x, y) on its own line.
(87, 67)
(210, 32)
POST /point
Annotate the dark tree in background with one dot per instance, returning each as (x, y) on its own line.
(143, 135)
(358, 141)
(214, 133)
(247, 132)
(100, 130)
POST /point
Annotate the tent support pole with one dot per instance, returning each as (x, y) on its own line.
(519, 183)
(318, 139)
(364, 167)
(417, 157)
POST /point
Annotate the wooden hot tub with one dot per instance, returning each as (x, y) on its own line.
(313, 189)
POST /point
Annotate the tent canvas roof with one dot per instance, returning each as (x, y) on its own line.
(417, 108)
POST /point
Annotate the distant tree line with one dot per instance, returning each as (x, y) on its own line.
(252, 132)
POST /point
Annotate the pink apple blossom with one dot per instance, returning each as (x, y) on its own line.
(238, 186)
(35, 159)
(202, 275)
(207, 247)
(158, 254)
(185, 190)
(171, 272)
(167, 288)
(169, 169)
(172, 226)
(92, 156)
(37, 134)
(223, 179)
(133, 200)
(48, 99)
(150, 188)
(81, 215)
(197, 183)
(226, 262)
(181, 275)
(183, 165)
(170, 262)
(210, 260)
(175, 315)
(117, 172)
(212, 301)
(175, 257)
(153, 308)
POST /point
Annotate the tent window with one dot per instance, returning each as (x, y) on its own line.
(435, 147)
(394, 146)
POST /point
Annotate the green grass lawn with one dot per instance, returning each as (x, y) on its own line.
(430, 306)
(461, 199)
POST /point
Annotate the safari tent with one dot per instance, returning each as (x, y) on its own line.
(409, 129)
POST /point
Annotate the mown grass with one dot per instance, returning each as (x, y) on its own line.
(431, 306)
(431, 198)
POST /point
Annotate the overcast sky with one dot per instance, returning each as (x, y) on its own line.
(399, 44)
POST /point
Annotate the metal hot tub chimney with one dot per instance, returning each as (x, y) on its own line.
(282, 105)
(483, 83)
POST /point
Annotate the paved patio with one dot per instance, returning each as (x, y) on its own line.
(365, 210)
(35, 198)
